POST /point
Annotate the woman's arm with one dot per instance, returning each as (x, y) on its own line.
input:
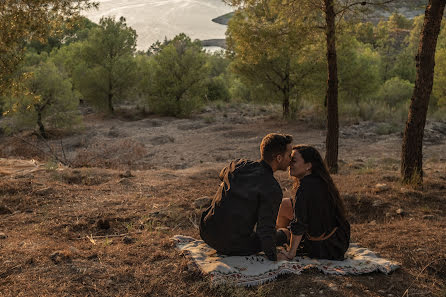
(291, 252)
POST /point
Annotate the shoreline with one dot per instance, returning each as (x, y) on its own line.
(223, 19)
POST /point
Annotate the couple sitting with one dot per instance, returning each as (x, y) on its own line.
(248, 215)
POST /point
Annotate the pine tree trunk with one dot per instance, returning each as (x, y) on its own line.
(110, 103)
(110, 94)
(286, 103)
(286, 94)
(412, 155)
(41, 127)
(331, 143)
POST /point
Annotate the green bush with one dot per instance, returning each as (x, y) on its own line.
(45, 99)
(217, 89)
(179, 74)
(395, 91)
(374, 110)
(109, 73)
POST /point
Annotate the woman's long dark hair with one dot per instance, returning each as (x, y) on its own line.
(319, 168)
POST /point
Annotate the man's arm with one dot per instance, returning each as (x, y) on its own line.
(269, 202)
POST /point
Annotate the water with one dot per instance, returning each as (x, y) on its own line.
(155, 19)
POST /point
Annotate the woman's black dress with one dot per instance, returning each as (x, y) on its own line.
(315, 217)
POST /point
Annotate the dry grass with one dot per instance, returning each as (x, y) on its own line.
(98, 232)
(57, 241)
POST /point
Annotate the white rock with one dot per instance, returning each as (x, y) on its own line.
(382, 187)
(428, 217)
(377, 203)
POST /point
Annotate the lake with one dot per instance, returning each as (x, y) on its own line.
(155, 19)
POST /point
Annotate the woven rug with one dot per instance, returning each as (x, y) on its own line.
(256, 269)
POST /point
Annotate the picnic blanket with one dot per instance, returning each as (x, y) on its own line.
(256, 269)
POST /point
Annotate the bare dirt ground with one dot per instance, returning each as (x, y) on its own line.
(101, 226)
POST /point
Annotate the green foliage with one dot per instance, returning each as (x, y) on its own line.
(26, 20)
(68, 33)
(398, 21)
(272, 52)
(69, 61)
(391, 38)
(179, 71)
(46, 100)
(439, 87)
(218, 81)
(217, 64)
(364, 32)
(145, 73)
(33, 59)
(395, 91)
(217, 89)
(359, 76)
(109, 73)
(238, 90)
(404, 66)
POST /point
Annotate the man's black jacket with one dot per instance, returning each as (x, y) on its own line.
(242, 217)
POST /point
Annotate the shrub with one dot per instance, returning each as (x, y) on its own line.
(217, 90)
(179, 73)
(46, 99)
(395, 91)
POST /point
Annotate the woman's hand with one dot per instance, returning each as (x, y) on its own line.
(285, 255)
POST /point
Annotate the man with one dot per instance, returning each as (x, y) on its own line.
(242, 217)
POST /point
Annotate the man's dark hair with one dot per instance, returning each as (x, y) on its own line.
(274, 144)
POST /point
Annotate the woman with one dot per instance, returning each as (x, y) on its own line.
(315, 220)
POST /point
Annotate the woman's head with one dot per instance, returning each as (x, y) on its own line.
(306, 160)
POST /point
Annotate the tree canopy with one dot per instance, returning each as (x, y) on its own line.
(26, 20)
(110, 66)
(270, 50)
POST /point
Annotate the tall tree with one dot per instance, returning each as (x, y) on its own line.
(25, 20)
(179, 72)
(47, 100)
(412, 155)
(108, 53)
(268, 49)
(332, 138)
(331, 141)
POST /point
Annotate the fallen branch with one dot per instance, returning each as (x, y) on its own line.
(91, 237)
(51, 154)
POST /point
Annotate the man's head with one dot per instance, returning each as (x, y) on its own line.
(275, 149)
